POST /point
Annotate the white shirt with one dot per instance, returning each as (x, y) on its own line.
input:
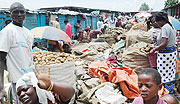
(55, 24)
(17, 43)
(167, 32)
(112, 23)
(155, 33)
(99, 24)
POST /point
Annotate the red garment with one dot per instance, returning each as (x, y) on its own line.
(68, 30)
(126, 77)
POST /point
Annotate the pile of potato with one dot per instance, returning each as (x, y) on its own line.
(146, 49)
(48, 58)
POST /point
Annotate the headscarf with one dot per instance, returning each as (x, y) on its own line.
(30, 79)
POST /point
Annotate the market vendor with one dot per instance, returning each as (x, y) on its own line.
(55, 46)
(40, 89)
(79, 30)
(93, 34)
(167, 54)
(66, 48)
(55, 23)
(155, 30)
(15, 48)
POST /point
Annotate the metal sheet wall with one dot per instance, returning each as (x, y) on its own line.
(30, 21)
(33, 20)
(94, 23)
(3, 17)
(61, 22)
(88, 21)
(41, 20)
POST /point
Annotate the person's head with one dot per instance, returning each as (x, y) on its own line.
(78, 21)
(66, 48)
(153, 21)
(100, 19)
(149, 82)
(27, 94)
(66, 21)
(26, 90)
(87, 29)
(17, 13)
(170, 99)
(52, 45)
(57, 19)
(161, 19)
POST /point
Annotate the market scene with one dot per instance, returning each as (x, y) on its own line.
(84, 55)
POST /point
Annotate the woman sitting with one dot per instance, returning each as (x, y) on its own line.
(42, 90)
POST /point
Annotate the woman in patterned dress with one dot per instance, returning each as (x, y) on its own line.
(166, 59)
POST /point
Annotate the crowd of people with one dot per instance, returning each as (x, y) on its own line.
(35, 87)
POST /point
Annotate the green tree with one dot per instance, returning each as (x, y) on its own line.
(144, 7)
(169, 3)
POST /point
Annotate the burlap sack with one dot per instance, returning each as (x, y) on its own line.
(134, 36)
(61, 73)
(133, 58)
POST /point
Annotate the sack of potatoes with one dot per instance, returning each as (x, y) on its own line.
(48, 58)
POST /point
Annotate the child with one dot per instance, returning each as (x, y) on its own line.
(149, 82)
(170, 99)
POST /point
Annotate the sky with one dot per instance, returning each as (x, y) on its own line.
(117, 5)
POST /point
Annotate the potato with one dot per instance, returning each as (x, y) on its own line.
(48, 58)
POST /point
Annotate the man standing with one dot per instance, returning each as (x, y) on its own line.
(79, 31)
(100, 23)
(68, 28)
(56, 23)
(15, 47)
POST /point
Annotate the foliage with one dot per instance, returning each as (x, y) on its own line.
(144, 7)
(169, 3)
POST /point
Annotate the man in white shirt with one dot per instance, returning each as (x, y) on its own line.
(15, 47)
(100, 24)
(56, 23)
(112, 22)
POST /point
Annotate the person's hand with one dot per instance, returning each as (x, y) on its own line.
(152, 51)
(43, 78)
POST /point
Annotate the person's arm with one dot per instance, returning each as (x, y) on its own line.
(161, 46)
(64, 91)
(165, 31)
(2, 68)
